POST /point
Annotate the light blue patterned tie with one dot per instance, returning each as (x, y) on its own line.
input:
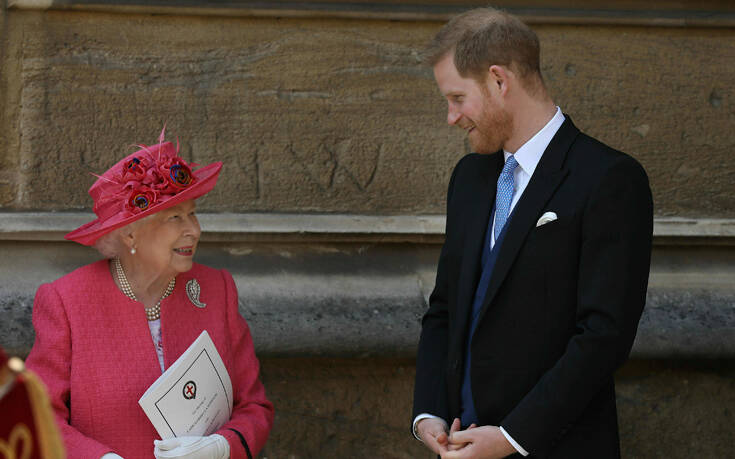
(504, 195)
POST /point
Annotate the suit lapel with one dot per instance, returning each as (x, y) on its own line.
(547, 177)
(477, 212)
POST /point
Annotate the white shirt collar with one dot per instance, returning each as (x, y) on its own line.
(529, 155)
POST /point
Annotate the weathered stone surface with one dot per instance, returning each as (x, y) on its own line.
(676, 409)
(8, 153)
(337, 116)
(659, 96)
(687, 324)
(284, 103)
(367, 299)
(309, 227)
(341, 408)
(16, 331)
(362, 408)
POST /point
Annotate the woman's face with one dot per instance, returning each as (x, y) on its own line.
(166, 244)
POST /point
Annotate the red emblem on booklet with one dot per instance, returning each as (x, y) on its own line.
(190, 390)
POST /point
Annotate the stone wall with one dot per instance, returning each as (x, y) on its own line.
(333, 137)
(326, 115)
(357, 409)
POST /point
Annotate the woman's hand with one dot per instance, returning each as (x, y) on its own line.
(212, 447)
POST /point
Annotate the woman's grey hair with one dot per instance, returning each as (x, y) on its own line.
(111, 245)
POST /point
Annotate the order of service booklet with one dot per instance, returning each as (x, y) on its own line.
(193, 397)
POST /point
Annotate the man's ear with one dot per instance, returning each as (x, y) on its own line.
(499, 77)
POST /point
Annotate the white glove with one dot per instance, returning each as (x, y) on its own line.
(111, 456)
(214, 446)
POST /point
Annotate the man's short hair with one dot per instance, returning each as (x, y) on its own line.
(484, 37)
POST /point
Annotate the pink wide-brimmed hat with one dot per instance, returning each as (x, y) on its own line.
(150, 180)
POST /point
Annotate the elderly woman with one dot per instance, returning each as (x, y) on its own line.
(107, 331)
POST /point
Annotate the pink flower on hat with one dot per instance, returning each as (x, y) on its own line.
(140, 199)
(177, 172)
(134, 169)
(149, 177)
(150, 180)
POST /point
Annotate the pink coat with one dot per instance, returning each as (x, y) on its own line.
(95, 353)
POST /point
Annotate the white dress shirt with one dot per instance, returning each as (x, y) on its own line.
(528, 157)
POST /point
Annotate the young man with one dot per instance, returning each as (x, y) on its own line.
(543, 274)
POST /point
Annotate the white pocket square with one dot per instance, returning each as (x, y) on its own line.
(546, 218)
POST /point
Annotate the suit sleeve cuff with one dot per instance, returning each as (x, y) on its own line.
(424, 416)
(515, 445)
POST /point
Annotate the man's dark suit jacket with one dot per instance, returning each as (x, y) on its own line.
(562, 305)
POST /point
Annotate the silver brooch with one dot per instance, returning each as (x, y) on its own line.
(193, 290)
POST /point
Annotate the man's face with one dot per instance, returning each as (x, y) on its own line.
(474, 107)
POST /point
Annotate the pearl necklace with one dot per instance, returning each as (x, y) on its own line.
(152, 313)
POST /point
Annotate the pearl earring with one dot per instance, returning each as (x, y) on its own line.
(132, 251)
